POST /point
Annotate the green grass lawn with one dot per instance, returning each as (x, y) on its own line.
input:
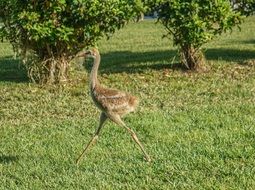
(198, 128)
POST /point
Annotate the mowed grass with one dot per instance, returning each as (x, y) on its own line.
(199, 128)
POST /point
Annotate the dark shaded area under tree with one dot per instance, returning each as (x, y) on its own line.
(130, 62)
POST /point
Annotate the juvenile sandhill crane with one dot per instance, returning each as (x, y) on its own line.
(113, 103)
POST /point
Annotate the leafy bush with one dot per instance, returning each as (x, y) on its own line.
(246, 7)
(191, 23)
(48, 33)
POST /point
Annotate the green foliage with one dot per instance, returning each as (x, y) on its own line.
(57, 30)
(246, 7)
(192, 23)
(198, 128)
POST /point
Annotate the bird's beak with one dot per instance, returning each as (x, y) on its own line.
(81, 54)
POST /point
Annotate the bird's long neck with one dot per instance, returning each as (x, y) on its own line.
(93, 74)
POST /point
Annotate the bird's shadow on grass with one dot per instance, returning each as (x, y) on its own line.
(11, 70)
(138, 62)
(6, 159)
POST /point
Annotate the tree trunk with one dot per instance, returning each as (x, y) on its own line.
(50, 71)
(140, 17)
(54, 71)
(192, 58)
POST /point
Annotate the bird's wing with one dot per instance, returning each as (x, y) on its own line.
(111, 99)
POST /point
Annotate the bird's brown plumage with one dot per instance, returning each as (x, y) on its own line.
(113, 101)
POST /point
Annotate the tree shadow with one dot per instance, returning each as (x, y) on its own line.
(11, 70)
(231, 55)
(248, 41)
(6, 159)
(136, 62)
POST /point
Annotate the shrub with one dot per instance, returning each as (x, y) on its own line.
(246, 7)
(48, 33)
(192, 23)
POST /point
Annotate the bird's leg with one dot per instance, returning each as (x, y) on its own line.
(103, 118)
(118, 121)
(135, 138)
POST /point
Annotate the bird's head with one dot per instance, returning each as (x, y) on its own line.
(88, 53)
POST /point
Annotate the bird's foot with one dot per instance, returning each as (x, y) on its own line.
(147, 158)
